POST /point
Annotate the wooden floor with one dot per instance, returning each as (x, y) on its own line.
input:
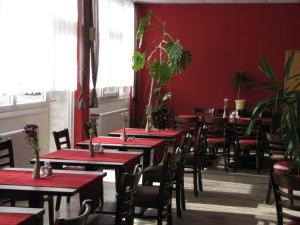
(228, 199)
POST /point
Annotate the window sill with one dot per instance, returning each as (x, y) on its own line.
(23, 112)
(112, 99)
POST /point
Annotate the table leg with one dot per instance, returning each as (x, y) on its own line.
(37, 201)
(146, 158)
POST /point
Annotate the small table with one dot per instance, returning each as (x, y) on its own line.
(171, 136)
(119, 161)
(18, 216)
(146, 145)
(16, 181)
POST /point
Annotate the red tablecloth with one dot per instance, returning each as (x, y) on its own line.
(59, 180)
(117, 141)
(14, 218)
(83, 155)
(162, 133)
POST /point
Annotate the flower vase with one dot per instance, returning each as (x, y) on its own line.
(148, 124)
(91, 147)
(124, 136)
(36, 168)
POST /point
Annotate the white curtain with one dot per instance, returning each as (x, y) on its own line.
(38, 45)
(116, 28)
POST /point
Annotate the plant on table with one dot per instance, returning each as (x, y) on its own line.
(31, 131)
(125, 119)
(285, 107)
(93, 125)
(164, 58)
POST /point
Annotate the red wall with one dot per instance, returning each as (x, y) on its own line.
(223, 39)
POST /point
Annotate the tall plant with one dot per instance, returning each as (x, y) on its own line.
(241, 81)
(164, 58)
(285, 105)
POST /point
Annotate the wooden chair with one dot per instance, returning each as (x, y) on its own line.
(201, 112)
(215, 134)
(87, 131)
(244, 144)
(277, 151)
(186, 124)
(80, 219)
(7, 160)
(62, 139)
(161, 119)
(124, 213)
(287, 202)
(159, 197)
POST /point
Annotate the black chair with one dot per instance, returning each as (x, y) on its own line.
(277, 151)
(124, 211)
(7, 160)
(201, 112)
(287, 201)
(161, 119)
(244, 144)
(186, 124)
(216, 135)
(62, 139)
(87, 131)
(80, 219)
(159, 197)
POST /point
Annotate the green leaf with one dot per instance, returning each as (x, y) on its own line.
(144, 21)
(241, 79)
(287, 67)
(174, 51)
(186, 58)
(161, 72)
(167, 96)
(267, 71)
(138, 60)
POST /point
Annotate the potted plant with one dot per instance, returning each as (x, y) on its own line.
(164, 58)
(240, 81)
(285, 107)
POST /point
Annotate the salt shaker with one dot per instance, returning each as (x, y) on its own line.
(48, 169)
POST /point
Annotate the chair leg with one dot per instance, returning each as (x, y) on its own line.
(169, 217)
(257, 161)
(57, 204)
(159, 216)
(178, 206)
(235, 158)
(269, 192)
(50, 209)
(183, 195)
(195, 182)
(225, 158)
(200, 179)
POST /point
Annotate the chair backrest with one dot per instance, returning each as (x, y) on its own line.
(168, 174)
(87, 130)
(287, 201)
(125, 196)
(6, 153)
(241, 125)
(161, 119)
(62, 139)
(276, 148)
(79, 220)
(204, 111)
(215, 126)
(186, 124)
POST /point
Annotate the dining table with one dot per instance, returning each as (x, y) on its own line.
(110, 159)
(145, 145)
(21, 216)
(171, 136)
(18, 181)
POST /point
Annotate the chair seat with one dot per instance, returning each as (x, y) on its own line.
(103, 219)
(246, 143)
(293, 223)
(148, 197)
(215, 141)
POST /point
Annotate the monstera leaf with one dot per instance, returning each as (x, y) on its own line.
(161, 72)
(138, 61)
(144, 21)
(179, 58)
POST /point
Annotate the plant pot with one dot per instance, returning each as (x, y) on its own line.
(240, 104)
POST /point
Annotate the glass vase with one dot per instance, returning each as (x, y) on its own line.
(37, 166)
(124, 136)
(91, 147)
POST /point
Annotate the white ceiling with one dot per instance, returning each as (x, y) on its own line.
(217, 1)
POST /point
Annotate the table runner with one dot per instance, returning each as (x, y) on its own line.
(14, 218)
(115, 140)
(83, 155)
(59, 180)
(162, 133)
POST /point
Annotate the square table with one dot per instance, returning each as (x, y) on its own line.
(119, 161)
(20, 216)
(18, 181)
(171, 136)
(146, 145)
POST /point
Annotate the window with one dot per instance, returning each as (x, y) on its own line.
(38, 49)
(116, 29)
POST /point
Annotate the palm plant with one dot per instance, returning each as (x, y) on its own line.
(164, 58)
(240, 81)
(284, 104)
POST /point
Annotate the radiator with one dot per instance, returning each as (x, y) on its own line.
(23, 152)
(110, 121)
